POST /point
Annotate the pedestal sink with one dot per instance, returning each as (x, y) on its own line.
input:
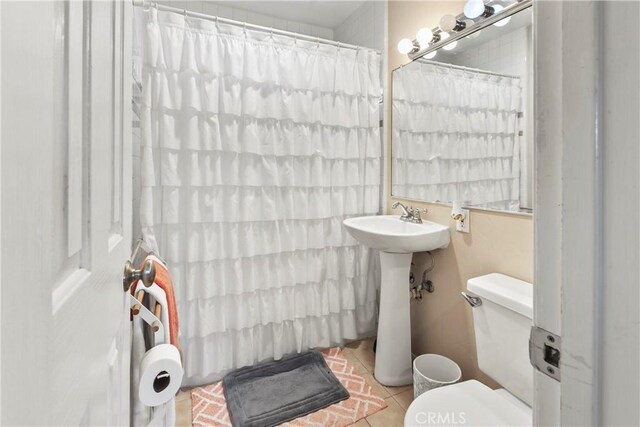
(396, 240)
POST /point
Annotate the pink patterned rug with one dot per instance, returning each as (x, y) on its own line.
(208, 406)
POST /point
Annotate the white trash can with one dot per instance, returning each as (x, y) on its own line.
(431, 371)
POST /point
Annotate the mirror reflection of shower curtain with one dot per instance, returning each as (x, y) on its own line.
(255, 147)
(455, 136)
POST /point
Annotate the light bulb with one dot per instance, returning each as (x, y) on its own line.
(405, 46)
(424, 37)
(502, 22)
(469, 23)
(444, 36)
(474, 35)
(448, 22)
(451, 46)
(473, 8)
(431, 55)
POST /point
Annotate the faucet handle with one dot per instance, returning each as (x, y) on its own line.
(415, 214)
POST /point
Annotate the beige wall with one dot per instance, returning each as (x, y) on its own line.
(442, 322)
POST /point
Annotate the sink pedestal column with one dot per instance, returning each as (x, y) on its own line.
(393, 353)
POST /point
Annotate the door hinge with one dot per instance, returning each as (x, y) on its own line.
(545, 351)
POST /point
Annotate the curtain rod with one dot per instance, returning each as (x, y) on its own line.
(145, 3)
(460, 67)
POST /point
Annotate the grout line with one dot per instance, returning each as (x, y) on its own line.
(362, 363)
(396, 400)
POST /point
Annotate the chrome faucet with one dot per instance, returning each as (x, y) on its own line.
(409, 214)
(405, 211)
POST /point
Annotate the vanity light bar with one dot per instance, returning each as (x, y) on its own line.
(483, 22)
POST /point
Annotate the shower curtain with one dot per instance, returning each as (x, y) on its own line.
(255, 147)
(455, 136)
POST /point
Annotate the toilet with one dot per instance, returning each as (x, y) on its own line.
(502, 323)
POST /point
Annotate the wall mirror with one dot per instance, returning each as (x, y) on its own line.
(462, 120)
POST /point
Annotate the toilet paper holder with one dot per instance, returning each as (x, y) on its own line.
(152, 310)
(137, 307)
(146, 275)
(153, 319)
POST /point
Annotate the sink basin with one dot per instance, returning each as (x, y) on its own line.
(388, 233)
(396, 240)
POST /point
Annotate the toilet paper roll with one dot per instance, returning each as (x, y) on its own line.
(160, 375)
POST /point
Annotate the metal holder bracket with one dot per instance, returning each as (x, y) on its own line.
(545, 351)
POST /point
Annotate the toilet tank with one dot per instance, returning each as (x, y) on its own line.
(502, 325)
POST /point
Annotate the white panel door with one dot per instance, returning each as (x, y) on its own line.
(547, 196)
(66, 212)
(587, 274)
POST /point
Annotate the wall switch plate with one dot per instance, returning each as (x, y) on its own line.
(463, 225)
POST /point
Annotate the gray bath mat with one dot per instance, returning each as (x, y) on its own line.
(272, 393)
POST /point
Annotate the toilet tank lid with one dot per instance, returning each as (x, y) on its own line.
(514, 294)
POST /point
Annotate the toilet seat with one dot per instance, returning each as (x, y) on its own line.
(468, 403)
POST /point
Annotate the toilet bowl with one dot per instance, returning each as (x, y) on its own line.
(468, 403)
(501, 323)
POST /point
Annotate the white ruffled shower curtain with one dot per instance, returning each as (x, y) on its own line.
(455, 136)
(255, 147)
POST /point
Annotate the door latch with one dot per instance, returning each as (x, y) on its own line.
(545, 351)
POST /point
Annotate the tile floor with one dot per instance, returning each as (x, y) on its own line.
(360, 355)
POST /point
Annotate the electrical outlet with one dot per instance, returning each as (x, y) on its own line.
(463, 225)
